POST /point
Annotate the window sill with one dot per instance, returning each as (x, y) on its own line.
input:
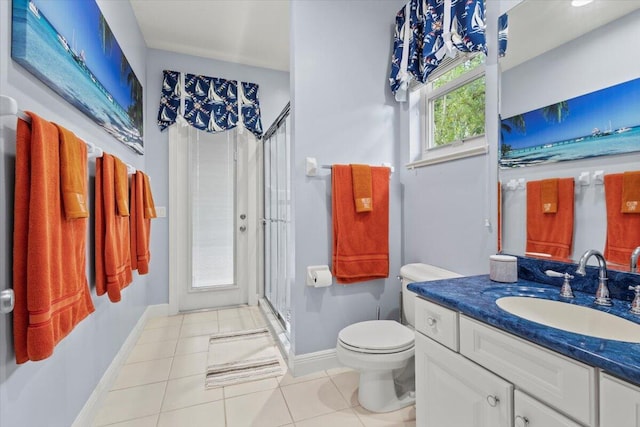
(449, 156)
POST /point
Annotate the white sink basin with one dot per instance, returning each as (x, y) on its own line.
(572, 318)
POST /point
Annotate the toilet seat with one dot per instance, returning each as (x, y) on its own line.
(377, 337)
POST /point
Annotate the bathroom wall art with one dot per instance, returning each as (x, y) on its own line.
(601, 123)
(68, 45)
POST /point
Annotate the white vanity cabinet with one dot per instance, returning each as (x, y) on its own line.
(619, 403)
(496, 379)
(458, 392)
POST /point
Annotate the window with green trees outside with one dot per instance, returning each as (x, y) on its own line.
(456, 103)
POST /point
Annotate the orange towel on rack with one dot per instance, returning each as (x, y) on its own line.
(361, 175)
(112, 238)
(140, 222)
(631, 192)
(360, 240)
(149, 205)
(49, 252)
(550, 233)
(73, 174)
(549, 195)
(623, 229)
(121, 186)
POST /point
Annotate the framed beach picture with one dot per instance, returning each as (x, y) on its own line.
(601, 123)
(68, 45)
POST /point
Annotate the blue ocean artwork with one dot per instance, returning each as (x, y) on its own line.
(69, 46)
(601, 123)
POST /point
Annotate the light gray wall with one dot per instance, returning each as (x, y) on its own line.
(274, 95)
(571, 70)
(342, 112)
(52, 392)
(449, 209)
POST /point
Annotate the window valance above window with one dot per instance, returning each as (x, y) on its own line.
(426, 31)
(210, 104)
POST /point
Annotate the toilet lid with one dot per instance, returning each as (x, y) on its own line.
(377, 336)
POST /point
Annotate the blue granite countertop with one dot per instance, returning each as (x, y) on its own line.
(476, 297)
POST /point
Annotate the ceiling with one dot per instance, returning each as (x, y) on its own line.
(538, 26)
(249, 32)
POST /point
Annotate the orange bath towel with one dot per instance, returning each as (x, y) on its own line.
(361, 175)
(140, 223)
(550, 233)
(360, 240)
(121, 187)
(149, 205)
(623, 229)
(73, 174)
(49, 251)
(631, 192)
(112, 238)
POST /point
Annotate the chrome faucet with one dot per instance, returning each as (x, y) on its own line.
(633, 267)
(602, 294)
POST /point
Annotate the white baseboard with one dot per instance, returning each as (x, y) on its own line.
(308, 363)
(90, 408)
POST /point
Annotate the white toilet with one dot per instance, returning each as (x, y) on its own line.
(383, 350)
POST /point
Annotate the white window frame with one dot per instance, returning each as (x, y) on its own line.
(454, 150)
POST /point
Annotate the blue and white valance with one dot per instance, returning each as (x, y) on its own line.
(208, 103)
(432, 30)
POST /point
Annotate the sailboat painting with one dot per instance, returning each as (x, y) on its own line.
(601, 123)
(69, 46)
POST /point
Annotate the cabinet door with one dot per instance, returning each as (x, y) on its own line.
(619, 403)
(531, 413)
(453, 391)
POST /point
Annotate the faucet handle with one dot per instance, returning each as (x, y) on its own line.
(565, 290)
(635, 305)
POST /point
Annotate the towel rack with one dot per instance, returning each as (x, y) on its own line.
(9, 107)
(311, 166)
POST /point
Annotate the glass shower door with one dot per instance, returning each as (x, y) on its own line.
(277, 208)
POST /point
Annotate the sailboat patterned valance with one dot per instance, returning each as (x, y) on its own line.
(210, 104)
(426, 31)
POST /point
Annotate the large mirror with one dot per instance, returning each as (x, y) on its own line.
(558, 52)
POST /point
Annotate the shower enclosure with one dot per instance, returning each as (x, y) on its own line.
(277, 217)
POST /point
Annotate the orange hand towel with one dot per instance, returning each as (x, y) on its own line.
(140, 226)
(360, 241)
(49, 251)
(549, 195)
(631, 192)
(112, 236)
(73, 154)
(121, 186)
(623, 229)
(149, 205)
(361, 175)
(550, 233)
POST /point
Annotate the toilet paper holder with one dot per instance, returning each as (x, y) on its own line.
(319, 276)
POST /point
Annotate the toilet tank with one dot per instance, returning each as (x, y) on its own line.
(411, 273)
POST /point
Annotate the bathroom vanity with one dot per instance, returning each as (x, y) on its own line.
(478, 365)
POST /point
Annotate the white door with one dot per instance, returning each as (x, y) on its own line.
(210, 221)
(453, 391)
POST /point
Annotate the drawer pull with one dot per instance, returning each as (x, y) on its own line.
(522, 421)
(431, 321)
(493, 401)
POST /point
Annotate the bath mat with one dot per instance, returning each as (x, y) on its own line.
(242, 356)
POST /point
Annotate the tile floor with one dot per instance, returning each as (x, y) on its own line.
(162, 385)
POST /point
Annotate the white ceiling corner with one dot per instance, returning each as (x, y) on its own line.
(249, 32)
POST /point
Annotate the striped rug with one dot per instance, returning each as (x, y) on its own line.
(242, 356)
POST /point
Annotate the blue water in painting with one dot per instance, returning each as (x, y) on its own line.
(621, 141)
(37, 46)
